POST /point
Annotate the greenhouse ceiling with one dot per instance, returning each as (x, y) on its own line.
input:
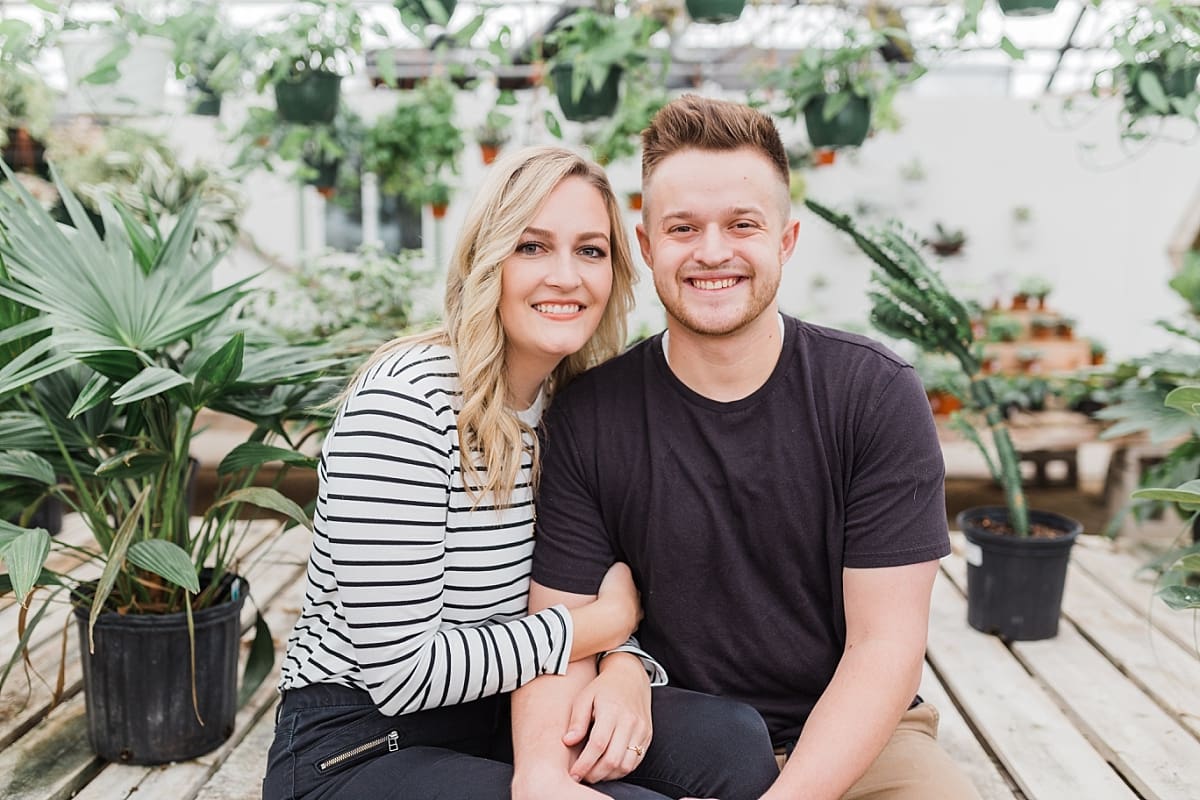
(1059, 52)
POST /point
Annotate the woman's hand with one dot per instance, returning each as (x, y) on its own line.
(617, 706)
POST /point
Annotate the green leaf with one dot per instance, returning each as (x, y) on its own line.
(131, 464)
(385, 60)
(24, 464)
(114, 563)
(167, 560)
(44, 578)
(24, 556)
(223, 367)
(1184, 398)
(552, 124)
(1151, 90)
(106, 69)
(264, 497)
(147, 383)
(1011, 50)
(259, 662)
(254, 454)
(1180, 597)
(1190, 563)
(1187, 494)
(97, 390)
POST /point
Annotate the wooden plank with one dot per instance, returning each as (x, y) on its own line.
(279, 588)
(241, 775)
(959, 741)
(1122, 574)
(1151, 750)
(52, 761)
(1047, 757)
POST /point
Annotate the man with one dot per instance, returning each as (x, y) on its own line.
(776, 488)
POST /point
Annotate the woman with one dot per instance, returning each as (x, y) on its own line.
(414, 626)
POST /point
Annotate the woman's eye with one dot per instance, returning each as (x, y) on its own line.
(592, 252)
(528, 248)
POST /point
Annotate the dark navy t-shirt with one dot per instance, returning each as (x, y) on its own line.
(738, 518)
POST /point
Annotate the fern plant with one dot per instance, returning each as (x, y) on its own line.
(911, 302)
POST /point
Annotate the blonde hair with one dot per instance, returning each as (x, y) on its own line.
(513, 192)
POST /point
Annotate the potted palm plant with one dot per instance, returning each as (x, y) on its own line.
(120, 343)
(591, 51)
(1016, 558)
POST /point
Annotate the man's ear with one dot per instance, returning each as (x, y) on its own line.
(787, 242)
(644, 243)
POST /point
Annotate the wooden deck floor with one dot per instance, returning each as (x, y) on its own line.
(1108, 709)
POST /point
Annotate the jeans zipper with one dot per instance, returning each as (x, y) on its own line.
(393, 744)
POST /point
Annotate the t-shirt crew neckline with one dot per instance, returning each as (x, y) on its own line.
(787, 329)
(532, 416)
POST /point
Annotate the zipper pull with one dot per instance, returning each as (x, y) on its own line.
(393, 741)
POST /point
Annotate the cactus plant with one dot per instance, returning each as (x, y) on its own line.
(910, 301)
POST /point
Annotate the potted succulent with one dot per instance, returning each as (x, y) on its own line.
(1036, 288)
(1043, 326)
(123, 341)
(1159, 65)
(492, 134)
(1003, 328)
(843, 93)
(310, 49)
(1016, 558)
(946, 241)
(590, 52)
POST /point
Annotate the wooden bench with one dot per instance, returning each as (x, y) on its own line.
(1108, 709)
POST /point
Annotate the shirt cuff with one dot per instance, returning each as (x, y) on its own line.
(656, 672)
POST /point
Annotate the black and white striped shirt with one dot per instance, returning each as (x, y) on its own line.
(413, 595)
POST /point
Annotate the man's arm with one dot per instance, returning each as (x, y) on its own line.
(550, 707)
(887, 622)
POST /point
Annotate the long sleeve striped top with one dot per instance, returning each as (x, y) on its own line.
(413, 595)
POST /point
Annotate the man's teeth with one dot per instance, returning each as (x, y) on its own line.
(557, 308)
(723, 283)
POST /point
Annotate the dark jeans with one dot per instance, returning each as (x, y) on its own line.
(331, 742)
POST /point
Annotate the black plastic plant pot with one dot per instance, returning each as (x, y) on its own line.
(326, 173)
(311, 97)
(847, 128)
(417, 9)
(138, 683)
(49, 515)
(206, 103)
(1026, 8)
(594, 103)
(715, 12)
(1015, 584)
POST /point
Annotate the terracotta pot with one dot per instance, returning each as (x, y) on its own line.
(635, 201)
(438, 209)
(942, 402)
(489, 152)
(1020, 302)
(823, 157)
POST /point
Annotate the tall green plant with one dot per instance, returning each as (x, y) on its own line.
(910, 301)
(122, 342)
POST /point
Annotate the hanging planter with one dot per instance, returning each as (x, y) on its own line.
(426, 12)
(847, 128)
(324, 177)
(308, 97)
(715, 12)
(1026, 8)
(1015, 584)
(593, 102)
(205, 102)
(138, 683)
(102, 81)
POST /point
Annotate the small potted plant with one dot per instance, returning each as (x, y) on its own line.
(590, 52)
(1065, 328)
(438, 197)
(127, 340)
(1003, 328)
(1043, 326)
(1016, 557)
(1098, 351)
(211, 55)
(946, 241)
(842, 93)
(1036, 288)
(1027, 359)
(492, 134)
(310, 49)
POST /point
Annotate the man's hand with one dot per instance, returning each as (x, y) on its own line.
(617, 705)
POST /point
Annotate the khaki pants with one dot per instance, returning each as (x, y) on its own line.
(912, 766)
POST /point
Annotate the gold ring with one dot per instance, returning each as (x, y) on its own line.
(637, 748)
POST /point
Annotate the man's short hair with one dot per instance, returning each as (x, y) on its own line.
(704, 123)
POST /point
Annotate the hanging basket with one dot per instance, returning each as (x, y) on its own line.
(1015, 584)
(847, 128)
(138, 684)
(593, 103)
(205, 102)
(418, 10)
(308, 98)
(715, 12)
(1026, 8)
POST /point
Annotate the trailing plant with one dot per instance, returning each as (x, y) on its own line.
(911, 302)
(312, 37)
(211, 54)
(418, 145)
(308, 147)
(620, 136)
